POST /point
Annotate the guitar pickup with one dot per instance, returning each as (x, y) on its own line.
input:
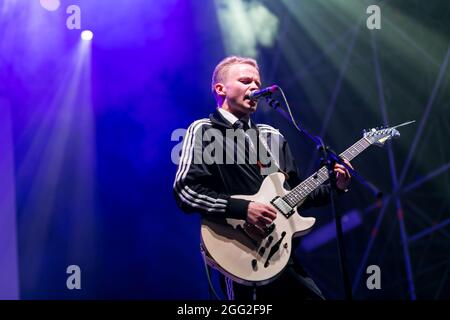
(282, 206)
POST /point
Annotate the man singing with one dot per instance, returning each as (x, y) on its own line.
(206, 185)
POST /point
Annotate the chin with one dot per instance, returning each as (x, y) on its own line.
(252, 109)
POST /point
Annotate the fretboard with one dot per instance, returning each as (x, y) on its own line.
(297, 195)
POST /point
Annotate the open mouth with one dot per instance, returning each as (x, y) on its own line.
(251, 102)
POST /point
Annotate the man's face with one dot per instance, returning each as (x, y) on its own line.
(240, 80)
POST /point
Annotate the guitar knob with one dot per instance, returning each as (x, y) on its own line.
(254, 264)
(285, 245)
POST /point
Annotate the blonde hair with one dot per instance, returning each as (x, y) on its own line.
(222, 67)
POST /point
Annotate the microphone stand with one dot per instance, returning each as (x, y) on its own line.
(329, 158)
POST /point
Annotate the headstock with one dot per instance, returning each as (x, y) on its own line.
(378, 136)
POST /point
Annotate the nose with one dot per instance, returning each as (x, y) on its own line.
(254, 86)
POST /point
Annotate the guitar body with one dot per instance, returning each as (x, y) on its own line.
(243, 252)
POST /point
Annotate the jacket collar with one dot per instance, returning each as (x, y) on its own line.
(217, 119)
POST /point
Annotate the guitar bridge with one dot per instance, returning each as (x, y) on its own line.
(282, 206)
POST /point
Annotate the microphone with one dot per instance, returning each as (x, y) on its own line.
(255, 95)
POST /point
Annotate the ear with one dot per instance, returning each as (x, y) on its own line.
(220, 90)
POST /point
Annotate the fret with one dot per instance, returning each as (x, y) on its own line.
(289, 200)
(356, 149)
(359, 146)
(310, 185)
(296, 195)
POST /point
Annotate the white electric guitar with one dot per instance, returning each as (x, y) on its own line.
(251, 256)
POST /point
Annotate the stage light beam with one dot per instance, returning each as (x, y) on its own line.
(260, 25)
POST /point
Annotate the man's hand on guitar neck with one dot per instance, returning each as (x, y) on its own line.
(342, 175)
(261, 215)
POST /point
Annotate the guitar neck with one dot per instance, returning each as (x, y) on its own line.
(297, 195)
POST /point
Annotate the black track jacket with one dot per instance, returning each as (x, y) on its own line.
(205, 186)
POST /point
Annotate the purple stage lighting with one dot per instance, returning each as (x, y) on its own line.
(50, 5)
(325, 234)
(87, 35)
